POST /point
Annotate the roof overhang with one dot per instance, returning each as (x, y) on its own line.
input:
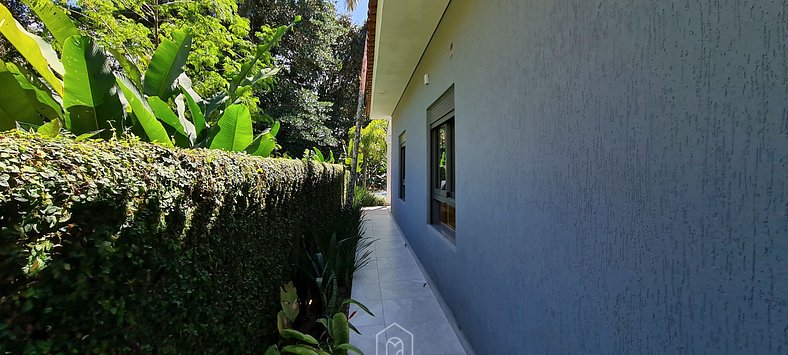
(402, 30)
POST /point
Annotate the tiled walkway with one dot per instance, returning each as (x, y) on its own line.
(396, 291)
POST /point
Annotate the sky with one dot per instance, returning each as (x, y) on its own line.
(359, 15)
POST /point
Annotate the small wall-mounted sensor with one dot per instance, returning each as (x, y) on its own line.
(426, 79)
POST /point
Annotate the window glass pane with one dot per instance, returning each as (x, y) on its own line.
(441, 135)
(402, 172)
(447, 215)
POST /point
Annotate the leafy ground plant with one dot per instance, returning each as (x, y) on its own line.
(335, 339)
(365, 198)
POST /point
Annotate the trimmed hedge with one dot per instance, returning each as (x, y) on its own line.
(124, 246)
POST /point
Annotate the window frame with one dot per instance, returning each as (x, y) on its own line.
(442, 114)
(402, 165)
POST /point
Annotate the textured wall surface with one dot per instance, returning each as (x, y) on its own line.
(622, 175)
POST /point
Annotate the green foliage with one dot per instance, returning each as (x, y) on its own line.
(38, 53)
(235, 129)
(18, 101)
(333, 255)
(167, 65)
(54, 18)
(316, 92)
(288, 298)
(371, 153)
(126, 247)
(90, 99)
(334, 340)
(317, 155)
(365, 198)
(94, 97)
(222, 39)
(143, 113)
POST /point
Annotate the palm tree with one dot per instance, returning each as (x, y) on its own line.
(351, 4)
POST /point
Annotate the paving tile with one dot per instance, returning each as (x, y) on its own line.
(390, 253)
(401, 274)
(397, 260)
(366, 341)
(367, 272)
(413, 311)
(393, 287)
(366, 292)
(435, 338)
(362, 318)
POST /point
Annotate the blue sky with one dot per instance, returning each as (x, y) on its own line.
(359, 15)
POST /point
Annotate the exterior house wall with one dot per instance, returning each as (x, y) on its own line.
(621, 175)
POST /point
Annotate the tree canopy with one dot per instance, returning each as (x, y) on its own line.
(315, 93)
(317, 89)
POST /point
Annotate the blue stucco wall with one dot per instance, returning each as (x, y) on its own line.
(622, 175)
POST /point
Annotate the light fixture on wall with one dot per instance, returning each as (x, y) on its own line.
(426, 79)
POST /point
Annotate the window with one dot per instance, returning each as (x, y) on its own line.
(442, 162)
(402, 166)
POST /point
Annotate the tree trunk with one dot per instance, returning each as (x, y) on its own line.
(356, 142)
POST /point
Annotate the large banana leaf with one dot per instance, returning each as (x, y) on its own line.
(246, 68)
(152, 127)
(167, 65)
(129, 67)
(248, 83)
(196, 112)
(164, 113)
(90, 96)
(48, 105)
(36, 51)
(265, 143)
(235, 129)
(16, 103)
(54, 18)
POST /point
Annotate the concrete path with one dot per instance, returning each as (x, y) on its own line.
(394, 288)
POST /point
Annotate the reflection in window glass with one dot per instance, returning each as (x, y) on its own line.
(442, 165)
(440, 181)
(447, 215)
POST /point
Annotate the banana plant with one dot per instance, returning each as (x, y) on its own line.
(78, 88)
(81, 91)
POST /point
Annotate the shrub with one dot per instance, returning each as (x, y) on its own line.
(330, 257)
(124, 246)
(366, 198)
